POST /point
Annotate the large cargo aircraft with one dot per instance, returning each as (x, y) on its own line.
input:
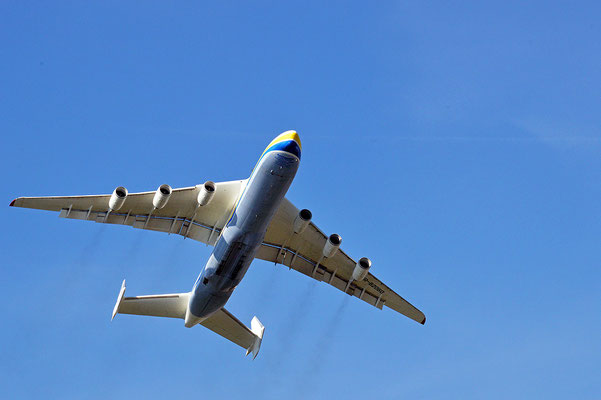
(243, 220)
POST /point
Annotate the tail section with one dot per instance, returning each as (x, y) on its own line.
(119, 300)
(176, 306)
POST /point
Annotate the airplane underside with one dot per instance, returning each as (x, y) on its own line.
(243, 220)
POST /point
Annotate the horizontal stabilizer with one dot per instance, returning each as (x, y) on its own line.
(161, 305)
(228, 326)
(175, 306)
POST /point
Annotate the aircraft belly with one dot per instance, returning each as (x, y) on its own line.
(243, 235)
(264, 194)
(206, 304)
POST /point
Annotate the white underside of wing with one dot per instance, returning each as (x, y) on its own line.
(304, 253)
(181, 215)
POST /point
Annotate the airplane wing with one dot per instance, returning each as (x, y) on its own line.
(180, 215)
(304, 253)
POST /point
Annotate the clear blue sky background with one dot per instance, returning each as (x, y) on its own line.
(456, 145)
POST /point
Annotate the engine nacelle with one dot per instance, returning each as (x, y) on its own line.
(117, 198)
(332, 245)
(361, 269)
(302, 220)
(206, 193)
(161, 197)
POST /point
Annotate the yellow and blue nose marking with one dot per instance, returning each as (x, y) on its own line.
(288, 141)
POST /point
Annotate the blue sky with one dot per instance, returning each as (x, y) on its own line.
(456, 145)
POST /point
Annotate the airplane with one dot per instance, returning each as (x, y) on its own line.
(243, 220)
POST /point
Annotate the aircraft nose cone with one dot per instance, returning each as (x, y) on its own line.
(288, 141)
(294, 136)
(288, 135)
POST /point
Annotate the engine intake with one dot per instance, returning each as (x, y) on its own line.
(117, 198)
(302, 220)
(361, 269)
(161, 197)
(206, 193)
(332, 245)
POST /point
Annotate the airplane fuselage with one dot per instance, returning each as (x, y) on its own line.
(244, 232)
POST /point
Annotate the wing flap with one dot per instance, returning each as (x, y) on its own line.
(305, 266)
(180, 226)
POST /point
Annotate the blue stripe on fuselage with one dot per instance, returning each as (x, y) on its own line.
(289, 146)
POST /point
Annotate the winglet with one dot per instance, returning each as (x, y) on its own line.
(12, 203)
(258, 329)
(119, 300)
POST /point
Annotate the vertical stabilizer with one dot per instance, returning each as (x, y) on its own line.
(258, 329)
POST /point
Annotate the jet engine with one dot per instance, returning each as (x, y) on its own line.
(332, 245)
(117, 198)
(161, 197)
(206, 193)
(302, 220)
(361, 269)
